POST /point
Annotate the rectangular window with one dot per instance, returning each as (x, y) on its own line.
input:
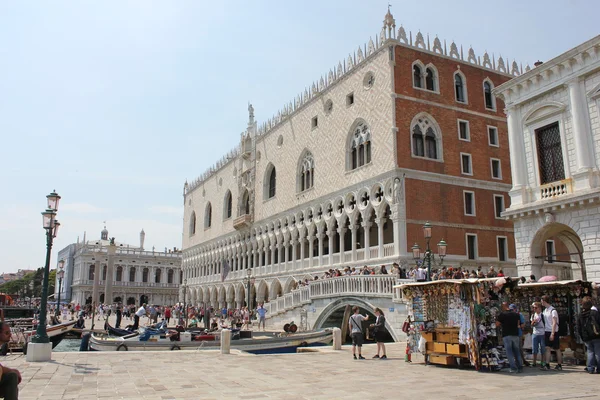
(471, 246)
(493, 136)
(463, 130)
(550, 154)
(550, 251)
(496, 170)
(498, 205)
(465, 164)
(315, 122)
(502, 248)
(469, 199)
(350, 99)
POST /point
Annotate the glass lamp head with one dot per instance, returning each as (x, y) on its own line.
(416, 250)
(427, 230)
(442, 248)
(48, 218)
(53, 200)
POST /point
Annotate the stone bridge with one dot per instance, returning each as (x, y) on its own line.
(323, 301)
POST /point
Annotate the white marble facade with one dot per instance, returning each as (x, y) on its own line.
(138, 276)
(554, 134)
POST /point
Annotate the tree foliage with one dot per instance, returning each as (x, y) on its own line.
(30, 285)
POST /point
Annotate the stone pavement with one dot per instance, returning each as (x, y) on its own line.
(326, 374)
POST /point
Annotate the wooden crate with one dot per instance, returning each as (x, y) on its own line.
(429, 347)
(456, 349)
(439, 347)
(429, 336)
(442, 359)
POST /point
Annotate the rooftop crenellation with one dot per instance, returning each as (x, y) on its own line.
(388, 35)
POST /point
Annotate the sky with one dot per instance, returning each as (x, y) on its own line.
(115, 103)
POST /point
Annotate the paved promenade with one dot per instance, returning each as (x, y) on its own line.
(324, 375)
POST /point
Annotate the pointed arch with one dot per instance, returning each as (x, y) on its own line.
(305, 177)
(460, 87)
(418, 74)
(208, 216)
(270, 182)
(227, 205)
(358, 145)
(426, 137)
(193, 223)
(276, 289)
(244, 203)
(432, 78)
(488, 96)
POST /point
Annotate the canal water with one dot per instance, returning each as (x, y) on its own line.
(68, 345)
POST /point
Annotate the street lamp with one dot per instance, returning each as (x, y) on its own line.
(249, 281)
(185, 313)
(51, 225)
(60, 274)
(429, 256)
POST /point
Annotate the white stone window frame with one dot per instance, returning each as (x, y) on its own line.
(267, 182)
(505, 248)
(470, 173)
(300, 171)
(553, 251)
(496, 209)
(349, 141)
(473, 207)
(466, 122)
(193, 224)
(465, 91)
(350, 99)
(495, 129)
(208, 216)
(532, 123)
(488, 80)
(436, 77)
(499, 177)
(476, 247)
(314, 122)
(225, 217)
(438, 136)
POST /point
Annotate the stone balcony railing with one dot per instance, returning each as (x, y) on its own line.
(242, 221)
(556, 189)
(128, 284)
(354, 285)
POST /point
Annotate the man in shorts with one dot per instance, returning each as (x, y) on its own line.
(550, 317)
(356, 332)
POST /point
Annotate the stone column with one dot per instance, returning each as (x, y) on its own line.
(97, 272)
(302, 239)
(518, 165)
(320, 238)
(399, 225)
(273, 249)
(311, 245)
(342, 234)
(581, 135)
(261, 254)
(380, 222)
(294, 243)
(367, 228)
(330, 234)
(353, 229)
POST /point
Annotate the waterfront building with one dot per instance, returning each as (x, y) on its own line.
(554, 131)
(404, 130)
(138, 275)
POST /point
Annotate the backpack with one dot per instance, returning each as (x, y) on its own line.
(591, 329)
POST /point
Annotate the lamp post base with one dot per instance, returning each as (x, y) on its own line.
(37, 352)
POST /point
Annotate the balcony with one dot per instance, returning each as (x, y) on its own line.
(242, 222)
(553, 190)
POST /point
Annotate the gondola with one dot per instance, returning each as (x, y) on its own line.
(118, 332)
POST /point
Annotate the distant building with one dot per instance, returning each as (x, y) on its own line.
(554, 134)
(139, 276)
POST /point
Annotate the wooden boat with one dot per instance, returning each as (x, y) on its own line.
(268, 343)
(118, 332)
(19, 337)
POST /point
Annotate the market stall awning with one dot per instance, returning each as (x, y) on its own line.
(438, 282)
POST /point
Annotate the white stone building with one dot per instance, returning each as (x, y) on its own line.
(554, 131)
(138, 275)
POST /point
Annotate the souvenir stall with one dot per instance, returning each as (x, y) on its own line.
(453, 322)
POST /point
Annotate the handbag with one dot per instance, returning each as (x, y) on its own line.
(406, 325)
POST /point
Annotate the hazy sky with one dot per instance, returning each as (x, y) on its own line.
(116, 103)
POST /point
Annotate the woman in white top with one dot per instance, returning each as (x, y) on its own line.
(539, 336)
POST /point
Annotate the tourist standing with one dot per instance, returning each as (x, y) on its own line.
(510, 323)
(246, 317)
(588, 326)
(379, 332)
(538, 335)
(262, 315)
(550, 318)
(9, 377)
(168, 314)
(119, 315)
(356, 332)
(515, 309)
(138, 314)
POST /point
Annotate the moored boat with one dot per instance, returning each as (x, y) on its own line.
(20, 337)
(280, 343)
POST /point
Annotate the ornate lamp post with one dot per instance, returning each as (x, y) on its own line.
(51, 226)
(429, 256)
(249, 282)
(60, 274)
(185, 313)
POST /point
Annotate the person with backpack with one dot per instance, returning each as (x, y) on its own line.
(538, 336)
(588, 326)
(356, 332)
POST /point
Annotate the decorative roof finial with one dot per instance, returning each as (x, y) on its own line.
(250, 114)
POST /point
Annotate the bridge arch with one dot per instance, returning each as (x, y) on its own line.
(341, 303)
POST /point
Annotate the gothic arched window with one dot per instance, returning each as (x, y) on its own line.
(426, 138)
(193, 223)
(270, 182)
(306, 173)
(459, 88)
(430, 79)
(208, 216)
(360, 146)
(417, 76)
(488, 96)
(228, 205)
